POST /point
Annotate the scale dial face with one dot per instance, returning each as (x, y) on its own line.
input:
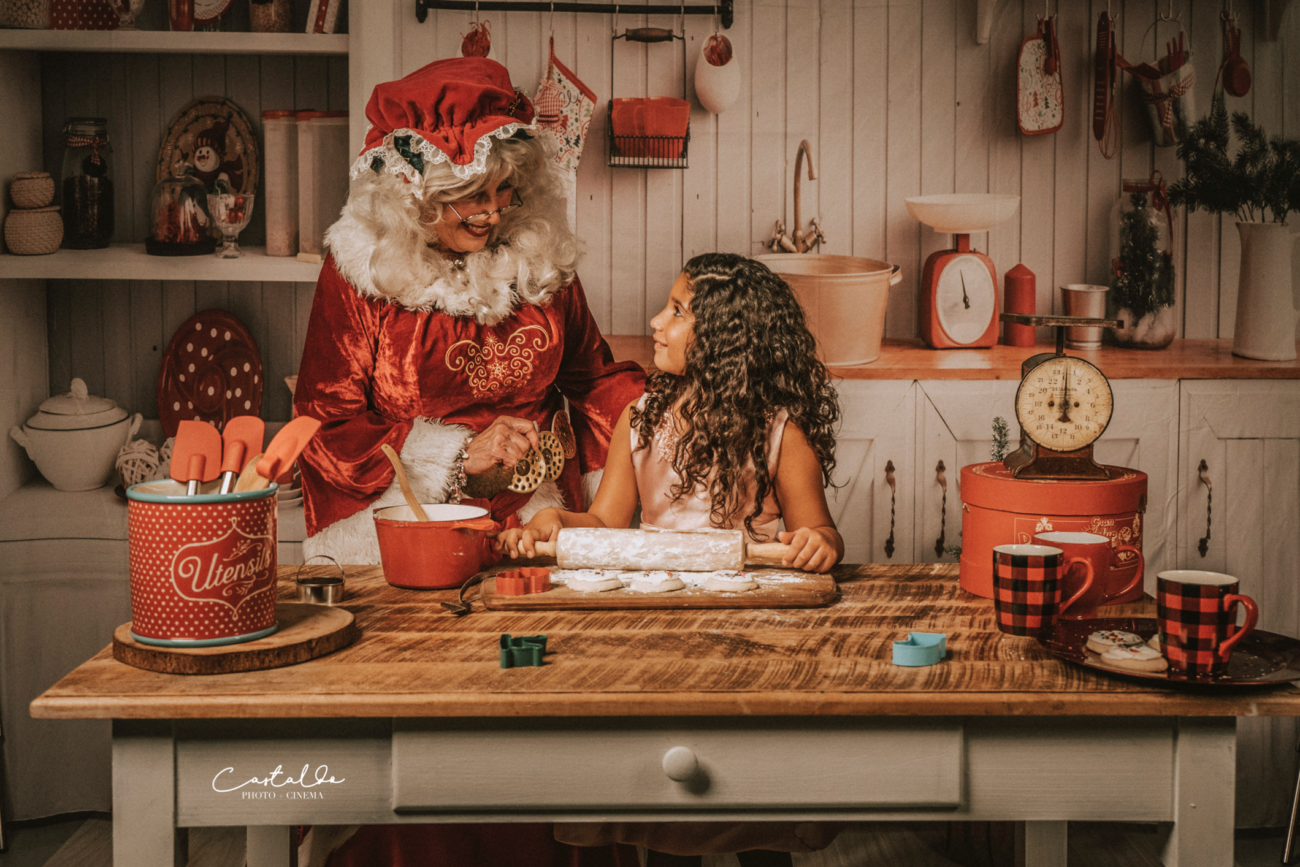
(965, 298)
(1064, 404)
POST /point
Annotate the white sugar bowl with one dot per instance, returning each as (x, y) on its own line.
(75, 438)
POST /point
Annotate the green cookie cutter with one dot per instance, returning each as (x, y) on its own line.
(522, 652)
(921, 648)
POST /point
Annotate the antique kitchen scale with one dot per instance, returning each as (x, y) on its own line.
(1052, 482)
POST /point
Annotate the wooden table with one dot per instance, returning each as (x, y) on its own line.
(787, 714)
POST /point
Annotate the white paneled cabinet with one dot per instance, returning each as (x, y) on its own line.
(1239, 513)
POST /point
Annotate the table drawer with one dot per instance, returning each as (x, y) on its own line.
(727, 764)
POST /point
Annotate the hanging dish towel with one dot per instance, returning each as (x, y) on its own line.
(1039, 95)
(564, 109)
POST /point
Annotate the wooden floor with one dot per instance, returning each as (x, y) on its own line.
(880, 845)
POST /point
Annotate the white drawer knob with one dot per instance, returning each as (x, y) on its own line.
(680, 764)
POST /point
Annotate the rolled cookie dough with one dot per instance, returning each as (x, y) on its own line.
(658, 581)
(729, 582)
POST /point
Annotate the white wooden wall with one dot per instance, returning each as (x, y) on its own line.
(896, 98)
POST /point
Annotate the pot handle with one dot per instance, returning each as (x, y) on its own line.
(134, 428)
(897, 276)
(19, 437)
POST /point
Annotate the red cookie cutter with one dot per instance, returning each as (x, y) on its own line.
(519, 582)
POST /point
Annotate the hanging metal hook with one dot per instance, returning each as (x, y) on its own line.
(615, 20)
(1170, 16)
(552, 21)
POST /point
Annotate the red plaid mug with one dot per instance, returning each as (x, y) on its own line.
(1197, 616)
(1094, 552)
(1027, 587)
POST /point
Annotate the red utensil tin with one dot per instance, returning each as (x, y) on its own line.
(202, 567)
(1000, 510)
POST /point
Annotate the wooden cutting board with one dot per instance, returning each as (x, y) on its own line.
(306, 632)
(807, 591)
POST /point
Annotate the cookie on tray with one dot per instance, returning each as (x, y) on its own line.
(1137, 658)
(1103, 640)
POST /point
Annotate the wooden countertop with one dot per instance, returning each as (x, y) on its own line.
(415, 659)
(912, 359)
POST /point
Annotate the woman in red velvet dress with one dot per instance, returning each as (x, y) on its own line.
(449, 324)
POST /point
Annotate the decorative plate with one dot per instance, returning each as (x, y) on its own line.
(212, 135)
(211, 371)
(207, 11)
(1261, 659)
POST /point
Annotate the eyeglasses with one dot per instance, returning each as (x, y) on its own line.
(483, 220)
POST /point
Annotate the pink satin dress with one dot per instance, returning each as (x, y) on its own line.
(655, 478)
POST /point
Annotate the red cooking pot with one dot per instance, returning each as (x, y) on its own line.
(442, 552)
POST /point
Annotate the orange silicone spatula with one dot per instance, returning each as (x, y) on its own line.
(196, 455)
(242, 439)
(284, 450)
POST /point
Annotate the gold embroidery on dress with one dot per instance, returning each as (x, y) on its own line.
(497, 365)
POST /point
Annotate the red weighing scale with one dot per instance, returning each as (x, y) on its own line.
(1052, 482)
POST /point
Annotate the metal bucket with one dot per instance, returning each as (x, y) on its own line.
(844, 299)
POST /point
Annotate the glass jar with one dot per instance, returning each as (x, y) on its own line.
(180, 223)
(29, 14)
(87, 184)
(270, 16)
(1141, 275)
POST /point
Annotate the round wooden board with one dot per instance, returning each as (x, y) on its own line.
(306, 632)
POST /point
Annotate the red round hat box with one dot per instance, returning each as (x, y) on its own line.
(998, 509)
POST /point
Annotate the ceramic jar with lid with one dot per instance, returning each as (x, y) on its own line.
(75, 438)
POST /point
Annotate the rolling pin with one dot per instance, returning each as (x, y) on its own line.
(643, 550)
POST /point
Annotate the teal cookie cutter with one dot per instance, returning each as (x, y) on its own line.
(522, 652)
(921, 648)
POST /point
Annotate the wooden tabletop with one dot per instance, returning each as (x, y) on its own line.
(912, 359)
(415, 659)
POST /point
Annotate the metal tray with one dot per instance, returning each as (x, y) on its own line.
(1261, 659)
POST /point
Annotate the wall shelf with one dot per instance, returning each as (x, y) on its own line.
(166, 42)
(130, 262)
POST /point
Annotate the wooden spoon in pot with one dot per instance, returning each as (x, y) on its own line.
(403, 483)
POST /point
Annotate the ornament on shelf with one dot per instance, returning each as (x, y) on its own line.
(137, 462)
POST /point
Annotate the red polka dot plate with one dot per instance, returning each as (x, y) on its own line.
(211, 372)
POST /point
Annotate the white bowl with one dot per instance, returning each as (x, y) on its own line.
(962, 213)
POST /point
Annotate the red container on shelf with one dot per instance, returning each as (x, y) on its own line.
(202, 567)
(998, 509)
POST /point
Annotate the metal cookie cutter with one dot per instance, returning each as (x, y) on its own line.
(521, 652)
(320, 589)
(921, 648)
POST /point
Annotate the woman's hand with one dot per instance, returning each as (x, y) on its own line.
(544, 526)
(502, 443)
(812, 549)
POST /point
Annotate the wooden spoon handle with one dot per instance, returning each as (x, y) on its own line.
(249, 479)
(403, 483)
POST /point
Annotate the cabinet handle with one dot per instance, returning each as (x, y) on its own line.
(893, 491)
(942, 479)
(1204, 472)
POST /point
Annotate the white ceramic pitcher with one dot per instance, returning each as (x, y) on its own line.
(1266, 314)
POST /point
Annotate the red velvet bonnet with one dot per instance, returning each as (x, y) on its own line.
(448, 111)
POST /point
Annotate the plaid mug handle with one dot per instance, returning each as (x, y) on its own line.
(1252, 617)
(1137, 575)
(1084, 588)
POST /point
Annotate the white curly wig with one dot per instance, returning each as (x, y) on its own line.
(381, 242)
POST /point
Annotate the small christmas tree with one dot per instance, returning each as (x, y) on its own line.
(1142, 277)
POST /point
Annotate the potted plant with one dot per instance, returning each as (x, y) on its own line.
(1260, 184)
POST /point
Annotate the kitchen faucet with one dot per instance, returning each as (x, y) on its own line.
(802, 241)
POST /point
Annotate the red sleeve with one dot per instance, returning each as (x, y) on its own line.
(597, 387)
(342, 468)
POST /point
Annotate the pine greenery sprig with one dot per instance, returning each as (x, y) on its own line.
(1142, 277)
(1263, 178)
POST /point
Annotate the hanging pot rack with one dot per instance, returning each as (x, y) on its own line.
(724, 9)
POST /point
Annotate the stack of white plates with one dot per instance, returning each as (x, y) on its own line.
(290, 495)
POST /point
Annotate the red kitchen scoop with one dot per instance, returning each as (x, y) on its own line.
(196, 455)
(281, 453)
(243, 439)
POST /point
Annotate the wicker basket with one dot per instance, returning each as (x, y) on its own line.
(33, 232)
(32, 190)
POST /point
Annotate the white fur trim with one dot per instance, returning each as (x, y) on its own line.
(428, 456)
(591, 484)
(396, 164)
(485, 290)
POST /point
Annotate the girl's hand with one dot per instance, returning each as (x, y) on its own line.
(544, 526)
(812, 549)
(501, 443)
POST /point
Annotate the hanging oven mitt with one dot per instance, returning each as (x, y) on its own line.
(1039, 94)
(564, 110)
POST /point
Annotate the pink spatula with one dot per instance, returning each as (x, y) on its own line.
(196, 455)
(243, 439)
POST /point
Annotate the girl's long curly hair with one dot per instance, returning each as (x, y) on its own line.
(750, 356)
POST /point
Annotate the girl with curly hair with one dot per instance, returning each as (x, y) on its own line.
(735, 430)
